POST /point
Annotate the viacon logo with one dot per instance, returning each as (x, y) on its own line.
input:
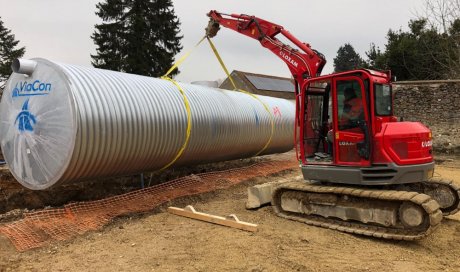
(31, 89)
(25, 119)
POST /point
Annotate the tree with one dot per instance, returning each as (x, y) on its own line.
(444, 17)
(418, 54)
(8, 52)
(440, 14)
(347, 59)
(375, 58)
(454, 49)
(136, 36)
(434, 41)
(429, 50)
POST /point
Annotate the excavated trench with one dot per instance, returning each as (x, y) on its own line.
(14, 198)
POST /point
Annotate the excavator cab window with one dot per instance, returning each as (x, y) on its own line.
(383, 100)
(351, 130)
(350, 104)
(317, 122)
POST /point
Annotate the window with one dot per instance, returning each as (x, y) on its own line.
(316, 115)
(383, 100)
(350, 104)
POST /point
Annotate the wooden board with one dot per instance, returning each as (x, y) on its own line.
(229, 221)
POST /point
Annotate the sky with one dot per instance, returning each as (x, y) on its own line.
(60, 30)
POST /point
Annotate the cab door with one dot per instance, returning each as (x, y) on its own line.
(351, 122)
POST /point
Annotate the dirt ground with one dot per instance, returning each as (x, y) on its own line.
(160, 241)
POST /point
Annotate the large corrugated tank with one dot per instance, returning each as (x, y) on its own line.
(62, 123)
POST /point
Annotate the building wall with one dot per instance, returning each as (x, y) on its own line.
(437, 105)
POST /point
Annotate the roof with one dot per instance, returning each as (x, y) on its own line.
(265, 82)
(270, 83)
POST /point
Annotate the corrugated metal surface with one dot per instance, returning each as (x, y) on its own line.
(96, 123)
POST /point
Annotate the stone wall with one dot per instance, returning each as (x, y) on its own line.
(437, 105)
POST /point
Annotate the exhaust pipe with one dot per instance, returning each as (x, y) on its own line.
(23, 66)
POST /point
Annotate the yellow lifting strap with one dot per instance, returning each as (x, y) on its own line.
(189, 123)
(272, 121)
(181, 59)
(186, 103)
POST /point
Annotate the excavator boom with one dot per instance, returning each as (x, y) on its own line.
(303, 61)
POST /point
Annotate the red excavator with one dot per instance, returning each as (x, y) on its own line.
(366, 172)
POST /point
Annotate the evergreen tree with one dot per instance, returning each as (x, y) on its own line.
(429, 50)
(347, 59)
(417, 54)
(453, 49)
(375, 58)
(8, 52)
(136, 36)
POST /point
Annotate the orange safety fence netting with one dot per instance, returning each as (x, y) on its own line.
(39, 228)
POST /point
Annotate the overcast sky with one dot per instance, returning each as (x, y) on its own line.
(61, 29)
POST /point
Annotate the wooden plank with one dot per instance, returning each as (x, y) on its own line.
(229, 221)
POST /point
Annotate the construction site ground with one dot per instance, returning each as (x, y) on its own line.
(159, 241)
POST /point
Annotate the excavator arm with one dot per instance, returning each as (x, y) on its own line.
(303, 64)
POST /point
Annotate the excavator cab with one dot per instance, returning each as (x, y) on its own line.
(349, 134)
(334, 108)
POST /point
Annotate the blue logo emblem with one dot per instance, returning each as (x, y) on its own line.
(25, 119)
(31, 89)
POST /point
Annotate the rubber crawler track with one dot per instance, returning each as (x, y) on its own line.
(430, 206)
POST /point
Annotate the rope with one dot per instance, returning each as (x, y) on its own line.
(272, 121)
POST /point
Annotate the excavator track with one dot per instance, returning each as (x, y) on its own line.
(388, 214)
(445, 192)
